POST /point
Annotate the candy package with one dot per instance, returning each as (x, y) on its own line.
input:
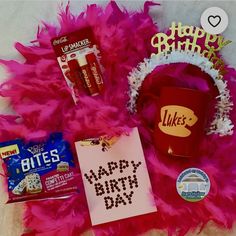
(39, 170)
(79, 59)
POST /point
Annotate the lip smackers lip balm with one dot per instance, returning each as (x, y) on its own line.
(76, 74)
(87, 75)
(78, 57)
(96, 71)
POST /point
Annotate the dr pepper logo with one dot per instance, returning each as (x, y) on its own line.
(175, 120)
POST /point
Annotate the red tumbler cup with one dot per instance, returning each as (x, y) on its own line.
(181, 120)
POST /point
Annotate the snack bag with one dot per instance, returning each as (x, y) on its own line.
(39, 170)
(79, 59)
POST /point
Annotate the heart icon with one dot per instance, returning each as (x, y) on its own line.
(214, 20)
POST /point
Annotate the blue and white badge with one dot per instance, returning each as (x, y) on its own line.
(193, 184)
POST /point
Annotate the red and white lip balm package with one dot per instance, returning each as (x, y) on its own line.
(79, 59)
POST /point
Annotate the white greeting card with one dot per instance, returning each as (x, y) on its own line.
(115, 177)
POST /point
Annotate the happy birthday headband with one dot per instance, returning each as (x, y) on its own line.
(192, 45)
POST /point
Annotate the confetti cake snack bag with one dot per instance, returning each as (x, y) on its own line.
(39, 170)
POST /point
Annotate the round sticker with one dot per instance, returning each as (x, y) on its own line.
(193, 184)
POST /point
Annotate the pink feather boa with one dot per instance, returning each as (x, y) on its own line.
(39, 96)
